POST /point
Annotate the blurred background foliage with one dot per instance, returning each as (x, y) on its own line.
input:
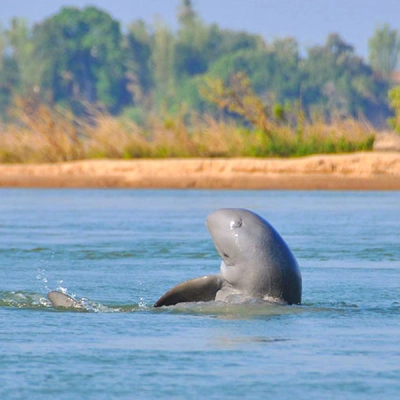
(79, 60)
(83, 56)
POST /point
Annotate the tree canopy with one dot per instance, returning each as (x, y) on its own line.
(384, 50)
(81, 56)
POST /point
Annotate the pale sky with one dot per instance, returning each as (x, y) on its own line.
(309, 21)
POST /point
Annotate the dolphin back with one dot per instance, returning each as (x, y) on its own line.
(61, 300)
(281, 267)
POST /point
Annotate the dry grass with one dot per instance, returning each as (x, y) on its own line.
(46, 135)
(41, 134)
(112, 138)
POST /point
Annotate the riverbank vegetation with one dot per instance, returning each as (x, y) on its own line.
(78, 86)
(47, 135)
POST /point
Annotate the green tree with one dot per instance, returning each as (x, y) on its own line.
(197, 48)
(223, 41)
(285, 74)
(191, 44)
(139, 61)
(254, 63)
(83, 58)
(336, 82)
(2, 44)
(272, 69)
(384, 50)
(19, 37)
(394, 100)
(199, 45)
(163, 60)
(9, 78)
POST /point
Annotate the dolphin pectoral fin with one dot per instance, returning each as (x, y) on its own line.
(61, 300)
(199, 289)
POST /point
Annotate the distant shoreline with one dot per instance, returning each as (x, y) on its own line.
(356, 171)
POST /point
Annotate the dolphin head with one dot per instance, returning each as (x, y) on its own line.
(255, 259)
(240, 237)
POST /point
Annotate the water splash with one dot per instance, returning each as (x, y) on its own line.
(42, 278)
(63, 289)
(142, 304)
(24, 300)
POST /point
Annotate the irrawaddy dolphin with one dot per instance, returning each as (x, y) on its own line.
(62, 300)
(256, 264)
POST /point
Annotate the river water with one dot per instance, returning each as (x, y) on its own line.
(120, 250)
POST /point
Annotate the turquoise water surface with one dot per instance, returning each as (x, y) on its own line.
(120, 250)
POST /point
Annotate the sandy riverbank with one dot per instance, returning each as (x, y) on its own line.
(358, 171)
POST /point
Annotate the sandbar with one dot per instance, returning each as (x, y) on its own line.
(355, 171)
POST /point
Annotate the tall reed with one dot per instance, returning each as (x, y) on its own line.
(43, 134)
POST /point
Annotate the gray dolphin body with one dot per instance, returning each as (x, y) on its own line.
(256, 263)
(62, 300)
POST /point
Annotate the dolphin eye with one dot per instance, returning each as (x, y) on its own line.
(236, 224)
